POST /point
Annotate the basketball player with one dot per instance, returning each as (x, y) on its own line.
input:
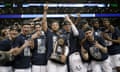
(6, 45)
(53, 66)
(39, 52)
(97, 51)
(112, 35)
(23, 45)
(96, 27)
(73, 37)
(54, 35)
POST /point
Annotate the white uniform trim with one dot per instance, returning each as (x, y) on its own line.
(39, 68)
(23, 70)
(55, 67)
(6, 69)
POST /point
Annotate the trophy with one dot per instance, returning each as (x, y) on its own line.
(58, 52)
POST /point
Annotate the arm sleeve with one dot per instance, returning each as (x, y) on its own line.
(75, 31)
(66, 50)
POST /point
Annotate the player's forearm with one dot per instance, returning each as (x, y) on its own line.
(78, 19)
(115, 41)
(84, 53)
(44, 21)
(85, 56)
(22, 47)
(103, 49)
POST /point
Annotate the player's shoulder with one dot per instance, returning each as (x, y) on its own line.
(117, 29)
(98, 37)
(5, 41)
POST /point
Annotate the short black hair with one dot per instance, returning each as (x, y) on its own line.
(38, 23)
(13, 28)
(88, 28)
(82, 22)
(105, 19)
(26, 22)
(65, 23)
(94, 21)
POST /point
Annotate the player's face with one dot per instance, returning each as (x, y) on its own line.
(26, 29)
(13, 33)
(89, 34)
(67, 27)
(55, 26)
(96, 24)
(37, 27)
(106, 23)
(32, 25)
(6, 32)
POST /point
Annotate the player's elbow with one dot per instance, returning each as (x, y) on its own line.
(86, 56)
(105, 50)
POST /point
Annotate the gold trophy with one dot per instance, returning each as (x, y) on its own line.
(56, 57)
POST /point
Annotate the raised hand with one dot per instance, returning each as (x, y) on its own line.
(97, 45)
(46, 7)
(67, 17)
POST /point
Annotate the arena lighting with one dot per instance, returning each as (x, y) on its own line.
(2, 5)
(56, 15)
(59, 5)
(32, 4)
(108, 15)
(15, 5)
(65, 5)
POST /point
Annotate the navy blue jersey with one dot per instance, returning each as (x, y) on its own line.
(49, 42)
(24, 58)
(6, 45)
(72, 41)
(89, 46)
(66, 35)
(115, 47)
(39, 53)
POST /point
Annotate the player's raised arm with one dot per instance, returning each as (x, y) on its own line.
(44, 20)
(74, 29)
(78, 19)
(36, 19)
